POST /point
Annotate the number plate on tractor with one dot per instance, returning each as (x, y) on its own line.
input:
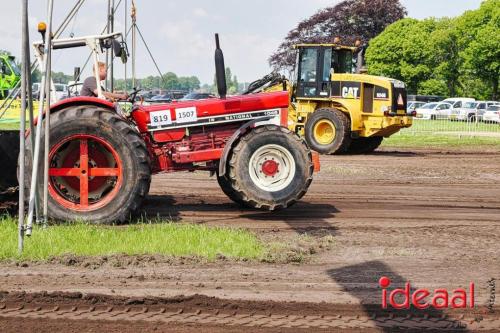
(159, 118)
(186, 115)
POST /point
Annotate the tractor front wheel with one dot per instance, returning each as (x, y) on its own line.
(328, 131)
(270, 168)
(99, 169)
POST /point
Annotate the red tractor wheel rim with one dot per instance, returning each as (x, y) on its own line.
(270, 168)
(85, 172)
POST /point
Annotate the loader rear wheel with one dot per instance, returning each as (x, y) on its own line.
(270, 168)
(99, 169)
(328, 131)
(365, 145)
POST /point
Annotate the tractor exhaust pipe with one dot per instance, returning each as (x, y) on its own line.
(220, 69)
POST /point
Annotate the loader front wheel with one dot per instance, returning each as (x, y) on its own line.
(270, 168)
(328, 130)
(99, 169)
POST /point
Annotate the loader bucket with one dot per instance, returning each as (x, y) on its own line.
(9, 152)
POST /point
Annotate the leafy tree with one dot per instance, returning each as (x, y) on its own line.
(453, 57)
(349, 20)
(402, 52)
(481, 40)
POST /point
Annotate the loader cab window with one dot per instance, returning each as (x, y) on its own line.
(15, 67)
(4, 69)
(308, 64)
(342, 62)
(308, 72)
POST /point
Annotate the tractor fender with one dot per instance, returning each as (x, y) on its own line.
(75, 101)
(81, 100)
(232, 141)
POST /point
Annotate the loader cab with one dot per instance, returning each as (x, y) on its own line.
(10, 73)
(317, 63)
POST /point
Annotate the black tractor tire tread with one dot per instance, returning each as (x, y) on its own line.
(140, 153)
(341, 143)
(245, 197)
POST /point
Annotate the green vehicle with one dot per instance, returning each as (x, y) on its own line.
(10, 74)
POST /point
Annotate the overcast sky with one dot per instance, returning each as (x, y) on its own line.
(180, 33)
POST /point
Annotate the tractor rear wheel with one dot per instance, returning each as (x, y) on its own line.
(99, 168)
(328, 131)
(365, 145)
(270, 168)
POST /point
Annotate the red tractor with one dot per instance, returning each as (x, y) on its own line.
(101, 160)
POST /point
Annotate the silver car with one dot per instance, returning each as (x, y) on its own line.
(471, 111)
(492, 114)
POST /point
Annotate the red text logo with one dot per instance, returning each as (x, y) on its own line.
(423, 298)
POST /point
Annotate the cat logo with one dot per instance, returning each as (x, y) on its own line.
(400, 100)
(350, 92)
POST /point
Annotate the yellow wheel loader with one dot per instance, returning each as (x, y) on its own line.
(335, 107)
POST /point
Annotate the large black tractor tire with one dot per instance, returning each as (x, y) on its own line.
(328, 131)
(270, 168)
(9, 151)
(226, 187)
(365, 145)
(111, 143)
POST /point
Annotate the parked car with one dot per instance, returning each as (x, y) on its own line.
(470, 111)
(492, 114)
(61, 90)
(35, 88)
(73, 89)
(413, 106)
(161, 99)
(432, 111)
(458, 102)
(196, 96)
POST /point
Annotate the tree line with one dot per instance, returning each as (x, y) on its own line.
(447, 57)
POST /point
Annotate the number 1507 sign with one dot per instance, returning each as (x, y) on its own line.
(182, 116)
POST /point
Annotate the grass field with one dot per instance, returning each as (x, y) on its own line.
(444, 125)
(429, 140)
(167, 239)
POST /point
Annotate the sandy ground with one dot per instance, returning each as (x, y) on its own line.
(428, 217)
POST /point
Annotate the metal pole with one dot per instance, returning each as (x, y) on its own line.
(126, 22)
(133, 15)
(42, 60)
(48, 88)
(22, 126)
(108, 30)
(112, 54)
(29, 92)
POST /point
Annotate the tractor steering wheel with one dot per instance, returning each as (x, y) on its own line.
(133, 95)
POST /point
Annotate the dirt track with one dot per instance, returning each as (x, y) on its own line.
(428, 217)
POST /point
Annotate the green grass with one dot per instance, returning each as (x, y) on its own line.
(444, 125)
(422, 140)
(167, 239)
(10, 126)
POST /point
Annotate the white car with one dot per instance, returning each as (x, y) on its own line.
(458, 102)
(492, 114)
(432, 111)
(471, 111)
